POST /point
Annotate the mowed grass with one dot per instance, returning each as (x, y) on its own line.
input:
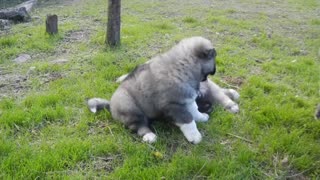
(269, 51)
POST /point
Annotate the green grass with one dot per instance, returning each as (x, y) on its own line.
(47, 132)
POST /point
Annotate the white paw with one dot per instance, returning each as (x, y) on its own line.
(194, 137)
(93, 109)
(235, 94)
(203, 117)
(191, 132)
(149, 137)
(234, 108)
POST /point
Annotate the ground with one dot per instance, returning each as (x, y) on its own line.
(267, 50)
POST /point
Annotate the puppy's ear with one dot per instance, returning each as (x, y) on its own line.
(207, 54)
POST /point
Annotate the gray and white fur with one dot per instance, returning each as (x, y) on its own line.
(211, 94)
(167, 87)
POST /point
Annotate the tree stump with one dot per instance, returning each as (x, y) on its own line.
(52, 24)
(113, 29)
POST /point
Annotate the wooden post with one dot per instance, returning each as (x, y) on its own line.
(113, 27)
(52, 24)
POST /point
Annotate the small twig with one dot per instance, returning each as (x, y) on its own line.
(199, 170)
(239, 137)
(152, 147)
(298, 174)
(58, 172)
(266, 174)
(110, 131)
(236, 87)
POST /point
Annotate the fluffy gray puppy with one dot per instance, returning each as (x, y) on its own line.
(209, 94)
(165, 87)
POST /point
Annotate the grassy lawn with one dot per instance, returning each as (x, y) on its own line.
(268, 50)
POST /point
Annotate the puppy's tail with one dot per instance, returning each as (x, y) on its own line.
(97, 104)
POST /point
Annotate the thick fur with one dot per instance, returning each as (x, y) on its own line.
(166, 86)
(97, 104)
(211, 94)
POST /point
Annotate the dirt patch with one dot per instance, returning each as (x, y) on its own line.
(102, 164)
(256, 70)
(11, 83)
(77, 36)
(97, 127)
(15, 84)
(234, 81)
(48, 77)
(282, 169)
(71, 38)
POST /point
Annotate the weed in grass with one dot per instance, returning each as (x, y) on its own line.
(189, 20)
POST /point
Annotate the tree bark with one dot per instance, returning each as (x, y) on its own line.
(15, 15)
(52, 24)
(113, 27)
(18, 13)
(28, 5)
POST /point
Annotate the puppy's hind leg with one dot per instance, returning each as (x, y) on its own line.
(124, 109)
(139, 124)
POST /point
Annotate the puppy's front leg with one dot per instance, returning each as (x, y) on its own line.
(182, 118)
(197, 116)
(190, 131)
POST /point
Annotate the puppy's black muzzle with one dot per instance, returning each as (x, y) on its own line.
(211, 73)
(214, 71)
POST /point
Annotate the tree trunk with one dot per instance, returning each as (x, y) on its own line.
(52, 24)
(113, 27)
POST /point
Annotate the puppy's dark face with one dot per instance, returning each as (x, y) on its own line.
(208, 62)
(203, 100)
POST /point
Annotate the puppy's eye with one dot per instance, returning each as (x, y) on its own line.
(208, 54)
(211, 53)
